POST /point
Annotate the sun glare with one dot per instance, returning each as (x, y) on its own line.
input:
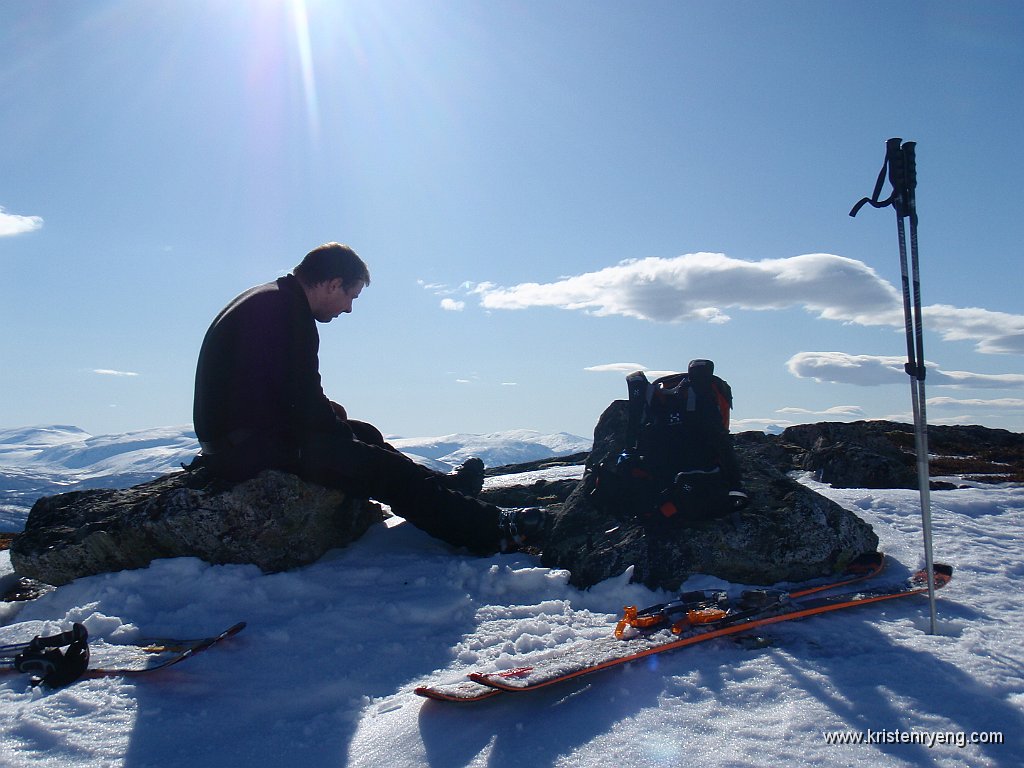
(300, 21)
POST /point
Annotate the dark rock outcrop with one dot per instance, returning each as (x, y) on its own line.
(881, 454)
(275, 520)
(788, 533)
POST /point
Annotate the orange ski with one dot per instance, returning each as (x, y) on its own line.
(467, 690)
(603, 653)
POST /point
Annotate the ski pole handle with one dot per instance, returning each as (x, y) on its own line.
(910, 162)
(896, 159)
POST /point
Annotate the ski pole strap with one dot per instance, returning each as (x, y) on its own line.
(44, 660)
(901, 167)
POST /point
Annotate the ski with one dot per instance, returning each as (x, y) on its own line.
(469, 690)
(608, 652)
(160, 654)
(46, 663)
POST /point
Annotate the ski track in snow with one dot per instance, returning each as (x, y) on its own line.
(323, 675)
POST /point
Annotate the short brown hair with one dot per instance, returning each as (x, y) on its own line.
(330, 261)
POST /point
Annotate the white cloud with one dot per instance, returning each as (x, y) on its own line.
(628, 368)
(13, 224)
(1001, 403)
(109, 372)
(836, 410)
(615, 367)
(703, 287)
(875, 370)
(965, 379)
(451, 305)
(843, 368)
(994, 332)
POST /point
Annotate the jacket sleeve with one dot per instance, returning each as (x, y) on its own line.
(309, 408)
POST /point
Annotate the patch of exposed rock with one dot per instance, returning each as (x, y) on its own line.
(274, 520)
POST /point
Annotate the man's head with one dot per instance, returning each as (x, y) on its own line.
(332, 276)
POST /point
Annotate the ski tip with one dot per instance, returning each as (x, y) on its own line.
(433, 694)
(942, 574)
(492, 680)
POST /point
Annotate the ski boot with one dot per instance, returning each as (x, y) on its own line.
(520, 528)
(467, 478)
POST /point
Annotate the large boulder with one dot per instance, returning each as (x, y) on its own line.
(788, 533)
(275, 520)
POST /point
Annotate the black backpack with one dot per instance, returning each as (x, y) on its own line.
(678, 465)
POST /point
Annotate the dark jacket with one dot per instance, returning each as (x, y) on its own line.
(259, 371)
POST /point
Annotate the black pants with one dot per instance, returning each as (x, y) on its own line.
(367, 467)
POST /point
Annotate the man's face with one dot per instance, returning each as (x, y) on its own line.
(333, 299)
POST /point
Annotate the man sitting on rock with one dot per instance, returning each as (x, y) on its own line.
(259, 404)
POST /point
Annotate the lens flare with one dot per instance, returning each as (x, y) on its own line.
(300, 20)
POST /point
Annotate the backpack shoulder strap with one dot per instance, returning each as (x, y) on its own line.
(638, 388)
(723, 397)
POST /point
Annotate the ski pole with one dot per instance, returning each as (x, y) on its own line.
(901, 163)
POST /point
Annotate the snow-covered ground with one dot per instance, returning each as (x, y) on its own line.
(323, 675)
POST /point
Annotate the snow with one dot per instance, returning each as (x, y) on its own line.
(323, 674)
(83, 455)
(495, 449)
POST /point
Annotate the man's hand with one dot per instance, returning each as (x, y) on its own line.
(339, 410)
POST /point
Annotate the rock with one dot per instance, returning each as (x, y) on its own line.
(540, 493)
(871, 462)
(788, 533)
(275, 520)
(881, 454)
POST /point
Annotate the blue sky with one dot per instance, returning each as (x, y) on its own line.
(548, 194)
